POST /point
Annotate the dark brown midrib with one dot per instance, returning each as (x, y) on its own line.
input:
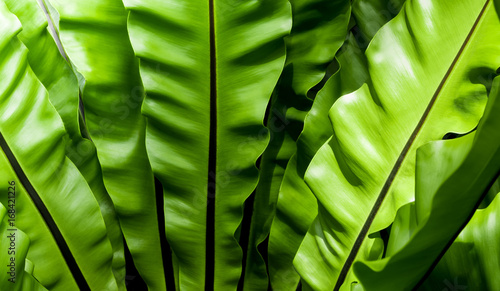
(400, 160)
(47, 217)
(212, 152)
(166, 250)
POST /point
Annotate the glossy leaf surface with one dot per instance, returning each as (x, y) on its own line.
(209, 70)
(33, 155)
(416, 94)
(56, 75)
(305, 66)
(291, 222)
(289, 144)
(94, 35)
(451, 177)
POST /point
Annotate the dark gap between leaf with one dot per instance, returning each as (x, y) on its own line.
(133, 281)
(245, 234)
(453, 135)
(262, 248)
(384, 234)
(166, 251)
(330, 70)
(268, 109)
(244, 228)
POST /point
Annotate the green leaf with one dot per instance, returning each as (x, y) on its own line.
(305, 66)
(209, 70)
(48, 186)
(47, 62)
(306, 61)
(490, 196)
(422, 86)
(15, 245)
(473, 260)
(94, 35)
(57, 76)
(451, 177)
(372, 15)
(291, 222)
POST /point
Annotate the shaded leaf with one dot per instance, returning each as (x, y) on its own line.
(305, 66)
(473, 260)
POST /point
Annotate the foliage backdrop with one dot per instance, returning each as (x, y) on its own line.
(249, 145)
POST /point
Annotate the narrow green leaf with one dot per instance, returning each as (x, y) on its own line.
(48, 185)
(94, 35)
(58, 78)
(296, 206)
(306, 65)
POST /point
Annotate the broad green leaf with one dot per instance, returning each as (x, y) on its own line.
(421, 87)
(52, 196)
(451, 177)
(94, 35)
(305, 66)
(14, 245)
(57, 76)
(209, 70)
(473, 260)
(291, 224)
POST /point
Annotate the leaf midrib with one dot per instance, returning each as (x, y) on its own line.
(390, 179)
(212, 155)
